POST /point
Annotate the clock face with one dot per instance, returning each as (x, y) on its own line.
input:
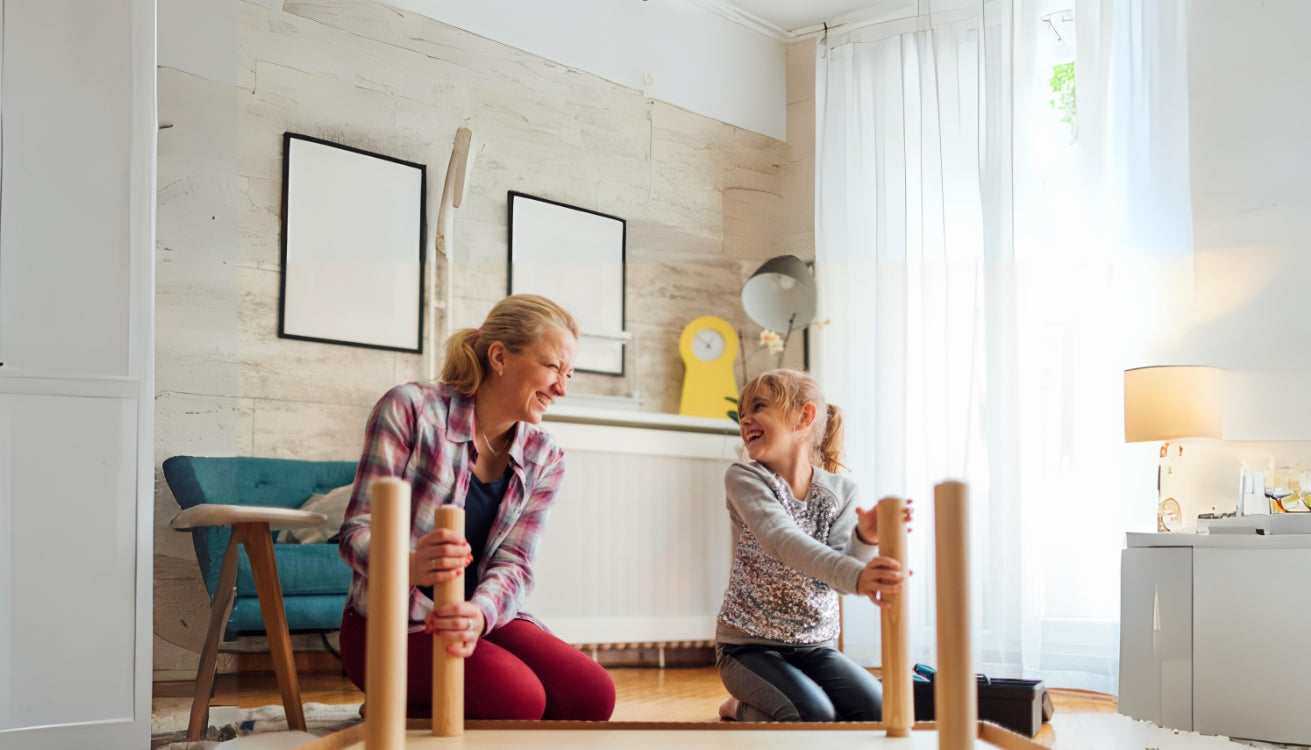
(708, 345)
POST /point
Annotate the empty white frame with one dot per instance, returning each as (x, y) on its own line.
(575, 257)
(352, 246)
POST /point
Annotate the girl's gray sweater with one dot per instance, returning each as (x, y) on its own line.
(791, 557)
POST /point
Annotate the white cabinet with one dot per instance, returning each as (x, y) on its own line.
(1209, 634)
(77, 165)
(65, 275)
(1251, 664)
(66, 518)
(1156, 635)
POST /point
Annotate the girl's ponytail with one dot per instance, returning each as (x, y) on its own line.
(830, 446)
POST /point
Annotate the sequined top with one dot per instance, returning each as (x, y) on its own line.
(791, 557)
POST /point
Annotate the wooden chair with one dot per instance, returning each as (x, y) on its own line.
(252, 526)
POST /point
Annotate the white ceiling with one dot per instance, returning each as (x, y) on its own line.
(792, 16)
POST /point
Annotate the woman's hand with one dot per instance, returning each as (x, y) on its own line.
(867, 523)
(459, 625)
(441, 555)
(882, 576)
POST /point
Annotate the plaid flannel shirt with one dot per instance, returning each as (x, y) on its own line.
(423, 433)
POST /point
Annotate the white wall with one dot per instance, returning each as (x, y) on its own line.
(199, 37)
(695, 59)
(1250, 94)
(1251, 196)
(674, 51)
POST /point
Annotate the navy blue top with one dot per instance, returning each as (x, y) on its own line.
(480, 506)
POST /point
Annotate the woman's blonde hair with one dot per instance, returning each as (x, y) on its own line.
(790, 390)
(517, 322)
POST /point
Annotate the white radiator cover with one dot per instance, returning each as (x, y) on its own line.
(636, 550)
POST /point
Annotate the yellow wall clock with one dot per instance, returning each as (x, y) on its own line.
(709, 349)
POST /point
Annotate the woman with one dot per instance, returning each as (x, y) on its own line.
(472, 440)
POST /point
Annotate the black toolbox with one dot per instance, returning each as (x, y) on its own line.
(1013, 704)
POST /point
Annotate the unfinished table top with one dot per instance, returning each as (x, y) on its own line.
(664, 735)
(655, 739)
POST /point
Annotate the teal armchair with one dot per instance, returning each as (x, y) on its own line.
(231, 506)
(314, 578)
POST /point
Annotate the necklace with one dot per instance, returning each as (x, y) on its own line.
(486, 440)
(489, 443)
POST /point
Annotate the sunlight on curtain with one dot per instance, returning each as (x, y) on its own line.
(972, 244)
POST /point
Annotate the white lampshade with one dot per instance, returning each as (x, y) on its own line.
(780, 294)
(1168, 403)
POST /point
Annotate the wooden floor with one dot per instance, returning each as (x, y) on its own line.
(674, 694)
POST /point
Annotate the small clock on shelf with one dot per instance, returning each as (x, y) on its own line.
(1169, 516)
(709, 349)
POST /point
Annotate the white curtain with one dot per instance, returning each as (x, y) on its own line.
(971, 251)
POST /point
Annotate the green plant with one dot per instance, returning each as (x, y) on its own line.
(1064, 99)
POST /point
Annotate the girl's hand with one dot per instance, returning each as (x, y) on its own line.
(882, 576)
(440, 555)
(459, 625)
(867, 523)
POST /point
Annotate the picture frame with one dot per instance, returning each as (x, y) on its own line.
(575, 257)
(352, 246)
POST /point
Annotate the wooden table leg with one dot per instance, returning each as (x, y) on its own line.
(955, 689)
(898, 690)
(220, 609)
(258, 539)
(447, 670)
(385, 652)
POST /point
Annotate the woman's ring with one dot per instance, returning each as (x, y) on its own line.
(433, 564)
(468, 623)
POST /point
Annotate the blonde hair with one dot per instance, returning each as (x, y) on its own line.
(790, 390)
(517, 321)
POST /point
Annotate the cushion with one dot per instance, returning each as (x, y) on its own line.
(331, 504)
(302, 569)
(310, 612)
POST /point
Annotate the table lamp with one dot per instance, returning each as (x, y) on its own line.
(1168, 404)
(780, 295)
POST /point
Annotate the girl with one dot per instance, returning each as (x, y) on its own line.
(798, 540)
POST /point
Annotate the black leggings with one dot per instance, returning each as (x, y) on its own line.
(798, 683)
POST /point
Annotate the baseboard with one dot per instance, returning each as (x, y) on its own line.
(654, 656)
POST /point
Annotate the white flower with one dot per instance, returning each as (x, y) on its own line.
(771, 340)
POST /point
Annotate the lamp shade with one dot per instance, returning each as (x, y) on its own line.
(1168, 403)
(780, 294)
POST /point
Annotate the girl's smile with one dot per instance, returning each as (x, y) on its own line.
(779, 438)
(766, 432)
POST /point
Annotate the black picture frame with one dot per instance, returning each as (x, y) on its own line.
(353, 260)
(577, 258)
